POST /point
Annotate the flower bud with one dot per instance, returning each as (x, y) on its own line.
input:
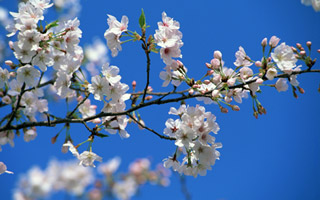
(271, 73)
(217, 54)
(318, 50)
(209, 72)
(80, 98)
(180, 64)
(215, 93)
(141, 127)
(224, 110)
(259, 81)
(11, 45)
(6, 99)
(264, 42)
(294, 49)
(303, 53)
(150, 89)
(274, 41)
(148, 98)
(206, 82)
(215, 63)
(9, 63)
(235, 108)
(191, 91)
(299, 46)
(301, 90)
(309, 44)
(208, 65)
(12, 74)
(258, 63)
(1, 94)
(96, 121)
(134, 84)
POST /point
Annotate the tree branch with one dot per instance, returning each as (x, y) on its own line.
(149, 129)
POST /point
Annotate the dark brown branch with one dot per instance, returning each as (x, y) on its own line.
(79, 104)
(149, 129)
(145, 46)
(13, 114)
(158, 101)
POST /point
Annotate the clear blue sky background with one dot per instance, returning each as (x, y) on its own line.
(274, 157)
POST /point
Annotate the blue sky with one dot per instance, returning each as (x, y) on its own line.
(274, 157)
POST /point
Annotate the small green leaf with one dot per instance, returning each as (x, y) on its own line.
(101, 135)
(142, 19)
(52, 24)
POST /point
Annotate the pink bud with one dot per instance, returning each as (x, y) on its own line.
(318, 50)
(208, 65)
(206, 82)
(11, 45)
(258, 63)
(134, 84)
(180, 64)
(235, 108)
(274, 41)
(217, 54)
(96, 121)
(303, 53)
(298, 45)
(264, 42)
(215, 63)
(12, 74)
(80, 98)
(150, 89)
(294, 49)
(259, 81)
(215, 93)
(148, 98)
(191, 91)
(8, 62)
(224, 110)
(210, 72)
(309, 44)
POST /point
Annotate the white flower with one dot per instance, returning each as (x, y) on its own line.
(87, 158)
(110, 167)
(62, 85)
(284, 57)
(281, 85)
(72, 148)
(111, 73)
(4, 76)
(271, 73)
(112, 35)
(29, 135)
(28, 75)
(3, 169)
(274, 40)
(86, 109)
(23, 53)
(98, 87)
(316, 5)
(242, 58)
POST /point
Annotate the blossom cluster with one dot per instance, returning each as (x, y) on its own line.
(75, 180)
(192, 133)
(108, 85)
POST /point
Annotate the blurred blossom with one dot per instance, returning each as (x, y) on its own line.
(314, 3)
(96, 55)
(110, 167)
(69, 8)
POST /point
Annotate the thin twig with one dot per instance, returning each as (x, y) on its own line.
(147, 52)
(17, 106)
(79, 104)
(149, 129)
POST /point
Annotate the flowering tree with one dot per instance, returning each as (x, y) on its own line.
(49, 62)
